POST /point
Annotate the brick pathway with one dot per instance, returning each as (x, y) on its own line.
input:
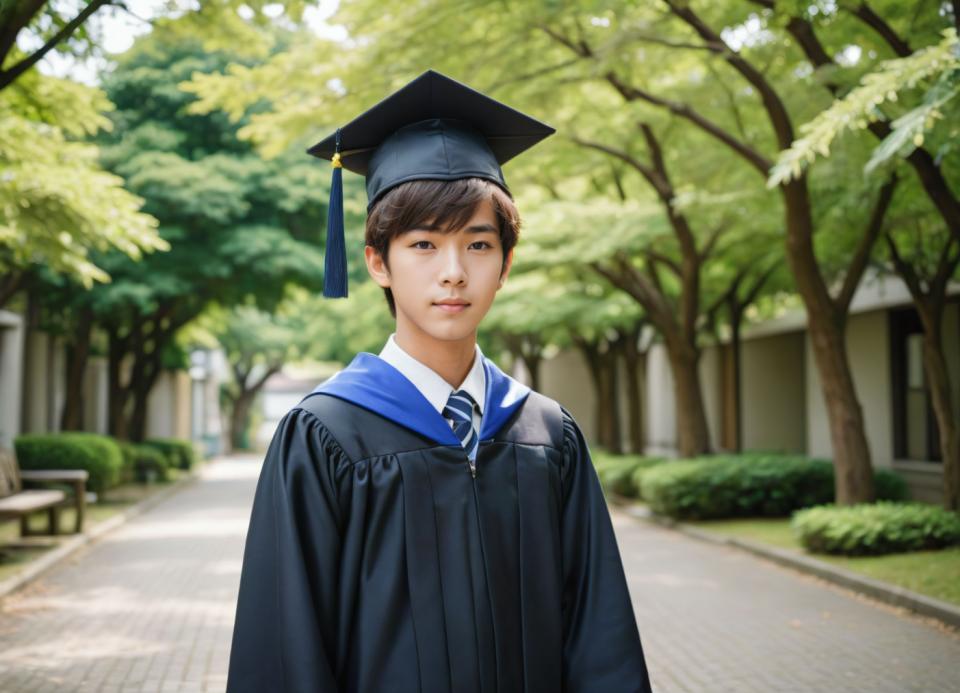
(147, 608)
(713, 618)
(150, 607)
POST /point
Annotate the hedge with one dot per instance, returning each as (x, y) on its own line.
(750, 485)
(618, 473)
(180, 453)
(144, 463)
(876, 528)
(99, 455)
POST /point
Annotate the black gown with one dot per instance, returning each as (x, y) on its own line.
(375, 561)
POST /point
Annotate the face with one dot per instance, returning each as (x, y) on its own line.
(444, 283)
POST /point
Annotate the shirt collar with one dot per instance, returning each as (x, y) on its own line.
(429, 382)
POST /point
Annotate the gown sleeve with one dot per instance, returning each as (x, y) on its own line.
(285, 629)
(601, 643)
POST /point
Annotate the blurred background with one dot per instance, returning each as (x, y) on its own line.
(738, 267)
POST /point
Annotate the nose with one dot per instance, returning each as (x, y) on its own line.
(452, 270)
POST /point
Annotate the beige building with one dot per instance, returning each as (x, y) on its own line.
(182, 404)
(782, 402)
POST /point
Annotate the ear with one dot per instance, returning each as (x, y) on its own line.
(507, 264)
(376, 267)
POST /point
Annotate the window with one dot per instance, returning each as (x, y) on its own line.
(914, 424)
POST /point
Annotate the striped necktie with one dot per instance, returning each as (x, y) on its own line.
(459, 411)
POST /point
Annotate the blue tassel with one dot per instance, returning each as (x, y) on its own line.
(335, 261)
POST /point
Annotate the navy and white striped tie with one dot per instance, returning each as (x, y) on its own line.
(459, 410)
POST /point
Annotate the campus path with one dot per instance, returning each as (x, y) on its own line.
(149, 607)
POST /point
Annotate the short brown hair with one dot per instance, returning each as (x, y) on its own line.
(448, 204)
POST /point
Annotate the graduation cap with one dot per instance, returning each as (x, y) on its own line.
(433, 128)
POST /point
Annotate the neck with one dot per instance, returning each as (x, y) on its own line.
(451, 359)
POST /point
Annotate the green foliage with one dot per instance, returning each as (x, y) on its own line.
(100, 455)
(57, 206)
(620, 473)
(935, 67)
(876, 528)
(180, 454)
(754, 484)
(144, 463)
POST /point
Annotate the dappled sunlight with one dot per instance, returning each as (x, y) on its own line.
(99, 602)
(196, 526)
(675, 581)
(77, 647)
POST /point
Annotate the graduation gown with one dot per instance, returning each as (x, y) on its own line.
(375, 561)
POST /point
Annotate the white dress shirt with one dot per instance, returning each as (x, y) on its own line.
(432, 385)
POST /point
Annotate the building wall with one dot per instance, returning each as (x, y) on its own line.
(565, 378)
(96, 396)
(711, 385)
(661, 419)
(42, 383)
(773, 415)
(169, 406)
(11, 364)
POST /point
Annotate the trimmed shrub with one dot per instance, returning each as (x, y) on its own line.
(618, 472)
(750, 485)
(636, 478)
(144, 463)
(99, 455)
(876, 528)
(180, 453)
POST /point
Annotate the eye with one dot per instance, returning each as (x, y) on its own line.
(482, 243)
(417, 245)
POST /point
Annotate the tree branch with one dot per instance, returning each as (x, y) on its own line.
(751, 155)
(931, 176)
(777, 112)
(644, 170)
(8, 76)
(632, 93)
(865, 14)
(861, 256)
(11, 25)
(905, 270)
(654, 256)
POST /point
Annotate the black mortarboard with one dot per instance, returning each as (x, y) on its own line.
(432, 128)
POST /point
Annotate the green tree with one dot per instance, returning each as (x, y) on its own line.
(240, 228)
(908, 104)
(57, 206)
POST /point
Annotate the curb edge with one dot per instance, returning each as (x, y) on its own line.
(56, 556)
(884, 592)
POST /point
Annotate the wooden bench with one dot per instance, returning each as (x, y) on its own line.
(17, 502)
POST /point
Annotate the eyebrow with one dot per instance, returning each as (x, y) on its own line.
(473, 228)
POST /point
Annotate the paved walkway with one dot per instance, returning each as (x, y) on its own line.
(150, 607)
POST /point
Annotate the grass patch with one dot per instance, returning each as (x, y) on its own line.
(14, 558)
(933, 573)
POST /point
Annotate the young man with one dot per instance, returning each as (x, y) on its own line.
(423, 522)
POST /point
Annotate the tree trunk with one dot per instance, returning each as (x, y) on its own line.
(532, 363)
(825, 323)
(851, 452)
(632, 358)
(10, 284)
(693, 434)
(530, 351)
(118, 394)
(77, 352)
(736, 320)
(240, 420)
(611, 396)
(606, 411)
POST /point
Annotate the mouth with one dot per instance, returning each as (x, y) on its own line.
(452, 307)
